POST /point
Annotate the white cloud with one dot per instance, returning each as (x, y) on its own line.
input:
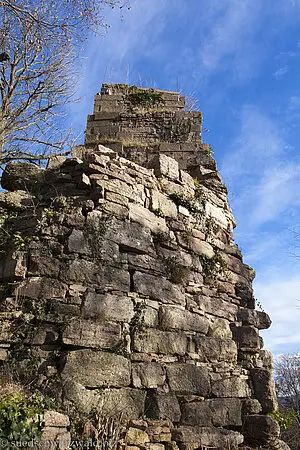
(279, 73)
(233, 30)
(281, 299)
(259, 170)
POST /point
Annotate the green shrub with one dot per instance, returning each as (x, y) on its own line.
(21, 417)
(145, 98)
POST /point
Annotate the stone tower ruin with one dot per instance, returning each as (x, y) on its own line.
(122, 287)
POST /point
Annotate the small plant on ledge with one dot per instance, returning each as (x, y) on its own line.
(146, 99)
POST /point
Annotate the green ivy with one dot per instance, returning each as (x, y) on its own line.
(146, 99)
(21, 417)
(137, 322)
(285, 417)
(214, 266)
(195, 207)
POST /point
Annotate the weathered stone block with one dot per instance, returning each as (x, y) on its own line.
(231, 387)
(57, 437)
(201, 247)
(264, 389)
(208, 436)
(84, 333)
(136, 436)
(78, 243)
(178, 319)
(188, 379)
(20, 176)
(247, 338)
(165, 291)
(165, 342)
(108, 307)
(162, 406)
(215, 412)
(131, 237)
(148, 375)
(146, 218)
(81, 271)
(258, 319)
(215, 349)
(97, 369)
(56, 419)
(250, 406)
(43, 288)
(259, 429)
(129, 402)
(164, 166)
(217, 307)
(220, 328)
(161, 203)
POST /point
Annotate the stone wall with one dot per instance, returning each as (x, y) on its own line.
(122, 291)
(137, 129)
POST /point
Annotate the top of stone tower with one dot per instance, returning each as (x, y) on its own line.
(140, 122)
(133, 98)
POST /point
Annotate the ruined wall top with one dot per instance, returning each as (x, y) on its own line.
(138, 123)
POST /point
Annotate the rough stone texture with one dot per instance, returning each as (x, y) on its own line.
(264, 389)
(97, 369)
(231, 387)
(165, 342)
(215, 412)
(162, 406)
(124, 287)
(259, 428)
(188, 379)
(148, 375)
(94, 335)
(177, 319)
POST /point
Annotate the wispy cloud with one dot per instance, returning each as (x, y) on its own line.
(231, 35)
(279, 73)
(282, 300)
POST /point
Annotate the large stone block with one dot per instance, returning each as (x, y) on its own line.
(129, 402)
(84, 333)
(208, 436)
(164, 290)
(131, 237)
(258, 319)
(105, 276)
(217, 412)
(164, 166)
(42, 288)
(97, 369)
(217, 307)
(21, 176)
(162, 406)
(148, 375)
(108, 307)
(264, 389)
(134, 436)
(259, 429)
(188, 379)
(201, 247)
(178, 319)
(160, 203)
(165, 342)
(247, 338)
(215, 349)
(146, 218)
(78, 243)
(231, 387)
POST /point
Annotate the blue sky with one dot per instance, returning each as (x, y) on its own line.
(241, 60)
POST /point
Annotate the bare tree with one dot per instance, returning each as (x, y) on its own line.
(39, 42)
(287, 377)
